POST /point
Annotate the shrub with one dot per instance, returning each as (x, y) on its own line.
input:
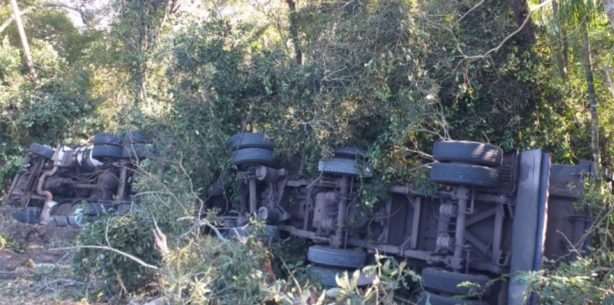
(110, 274)
(590, 278)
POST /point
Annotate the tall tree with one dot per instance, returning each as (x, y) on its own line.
(24, 40)
(561, 43)
(139, 23)
(298, 54)
(579, 14)
(521, 12)
(587, 65)
(609, 10)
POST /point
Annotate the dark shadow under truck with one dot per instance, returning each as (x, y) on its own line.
(494, 214)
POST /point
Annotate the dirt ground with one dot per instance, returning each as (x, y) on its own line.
(32, 270)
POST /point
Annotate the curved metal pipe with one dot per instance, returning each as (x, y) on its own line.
(45, 217)
(253, 199)
(41, 183)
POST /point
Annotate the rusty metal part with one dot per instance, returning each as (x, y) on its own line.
(45, 217)
(121, 189)
(445, 242)
(41, 183)
(462, 195)
(270, 215)
(253, 199)
(338, 238)
(268, 174)
(448, 209)
(325, 210)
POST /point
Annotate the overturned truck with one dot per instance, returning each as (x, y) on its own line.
(494, 216)
(69, 185)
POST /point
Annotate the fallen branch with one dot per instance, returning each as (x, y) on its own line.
(130, 256)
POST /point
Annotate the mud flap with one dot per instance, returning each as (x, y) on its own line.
(529, 226)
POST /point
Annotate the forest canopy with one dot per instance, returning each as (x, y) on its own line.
(389, 76)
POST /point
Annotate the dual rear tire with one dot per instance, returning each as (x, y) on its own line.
(251, 149)
(330, 263)
(443, 287)
(464, 163)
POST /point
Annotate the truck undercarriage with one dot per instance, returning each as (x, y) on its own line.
(492, 216)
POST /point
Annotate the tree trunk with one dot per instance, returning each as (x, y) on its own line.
(24, 40)
(588, 74)
(294, 31)
(607, 70)
(609, 10)
(521, 12)
(560, 45)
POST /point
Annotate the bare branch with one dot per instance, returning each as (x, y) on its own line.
(470, 11)
(82, 13)
(508, 37)
(130, 256)
(12, 18)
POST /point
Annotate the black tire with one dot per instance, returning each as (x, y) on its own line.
(441, 280)
(270, 233)
(341, 258)
(468, 152)
(67, 220)
(30, 215)
(464, 174)
(341, 166)
(435, 299)
(253, 156)
(42, 150)
(104, 138)
(250, 140)
(326, 275)
(107, 151)
(349, 152)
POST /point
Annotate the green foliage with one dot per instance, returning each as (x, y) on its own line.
(3, 242)
(589, 279)
(205, 270)
(584, 281)
(476, 90)
(389, 277)
(110, 274)
(57, 108)
(224, 80)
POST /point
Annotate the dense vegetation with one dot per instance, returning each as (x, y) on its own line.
(390, 76)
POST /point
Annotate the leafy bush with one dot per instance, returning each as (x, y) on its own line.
(589, 279)
(584, 281)
(208, 270)
(108, 273)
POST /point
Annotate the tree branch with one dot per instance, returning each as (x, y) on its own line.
(508, 37)
(12, 18)
(82, 13)
(130, 256)
(470, 11)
